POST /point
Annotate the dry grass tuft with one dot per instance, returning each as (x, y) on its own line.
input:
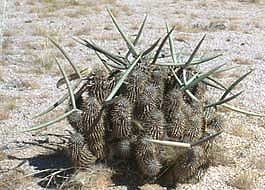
(6, 43)
(258, 162)
(241, 131)
(30, 84)
(244, 180)
(1, 74)
(11, 104)
(107, 37)
(183, 38)
(256, 1)
(40, 30)
(14, 180)
(3, 155)
(4, 115)
(235, 25)
(44, 61)
(97, 177)
(242, 61)
(72, 8)
(218, 156)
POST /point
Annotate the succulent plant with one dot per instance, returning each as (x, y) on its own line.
(79, 151)
(155, 114)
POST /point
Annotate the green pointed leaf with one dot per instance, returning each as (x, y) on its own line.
(201, 141)
(192, 96)
(140, 31)
(195, 51)
(176, 77)
(180, 84)
(115, 60)
(191, 79)
(70, 91)
(84, 72)
(103, 62)
(234, 84)
(146, 52)
(50, 122)
(172, 48)
(201, 77)
(137, 37)
(61, 81)
(116, 66)
(161, 45)
(211, 85)
(122, 79)
(223, 100)
(170, 64)
(226, 69)
(124, 36)
(67, 57)
(57, 103)
(216, 82)
(205, 60)
(192, 63)
(170, 143)
(111, 56)
(239, 110)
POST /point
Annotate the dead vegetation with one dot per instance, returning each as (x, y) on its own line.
(258, 162)
(14, 179)
(4, 115)
(8, 103)
(242, 61)
(219, 156)
(50, 8)
(97, 177)
(244, 180)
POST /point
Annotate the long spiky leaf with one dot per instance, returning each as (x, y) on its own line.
(146, 52)
(230, 88)
(122, 79)
(201, 141)
(205, 60)
(170, 143)
(124, 36)
(57, 103)
(94, 47)
(172, 48)
(103, 61)
(137, 37)
(70, 91)
(50, 122)
(223, 100)
(239, 110)
(201, 77)
(226, 69)
(161, 45)
(212, 85)
(216, 82)
(180, 84)
(67, 57)
(195, 51)
(84, 72)
(140, 31)
(121, 62)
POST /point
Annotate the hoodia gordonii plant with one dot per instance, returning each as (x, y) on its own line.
(154, 115)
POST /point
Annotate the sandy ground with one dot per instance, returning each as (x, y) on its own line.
(28, 75)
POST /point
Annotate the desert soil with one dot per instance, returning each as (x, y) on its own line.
(28, 75)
